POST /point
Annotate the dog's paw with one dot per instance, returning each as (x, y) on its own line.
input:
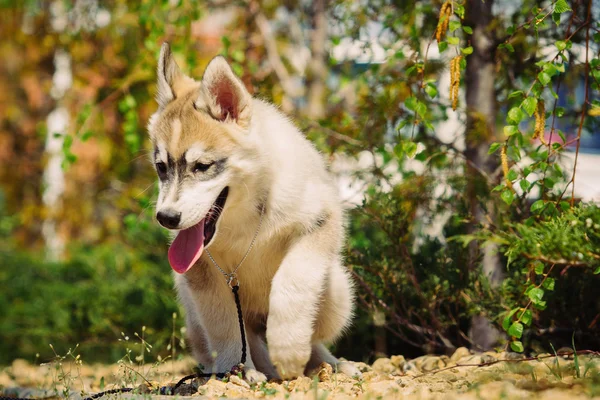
(289, 364)
(349, 369)
(254, 376)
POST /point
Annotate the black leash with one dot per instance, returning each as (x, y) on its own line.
(170, 390)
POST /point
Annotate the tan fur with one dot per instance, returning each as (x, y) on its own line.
(295, 292)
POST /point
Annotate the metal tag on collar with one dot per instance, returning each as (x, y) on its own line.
(232, 280)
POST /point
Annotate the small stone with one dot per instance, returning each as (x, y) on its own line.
(447, 376)
(302, 384)
(186, 389)
(213, 388)
(514, 356)
(488, 357)
(237, 381)
(384, 365)
(398, 362)
(381, 389)
(362, 367)
(419, 361)
(410, 366)
(146, 387)
(325, 372)
(471, 360)
(432, 363)
(234, 391)
(460, 353)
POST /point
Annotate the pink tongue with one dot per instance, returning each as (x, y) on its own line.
(187, 248)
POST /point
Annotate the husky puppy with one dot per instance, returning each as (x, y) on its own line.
(230, 166)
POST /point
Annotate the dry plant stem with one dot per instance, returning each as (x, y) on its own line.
(335, 134)
(272, 53)
(486, 364)
(407, 324)
(560, 261)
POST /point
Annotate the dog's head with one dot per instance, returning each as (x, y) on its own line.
(198, 134)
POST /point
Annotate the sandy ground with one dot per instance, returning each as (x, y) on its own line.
(461, 376)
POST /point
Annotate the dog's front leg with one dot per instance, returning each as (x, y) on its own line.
(293, 305)
(220, 322)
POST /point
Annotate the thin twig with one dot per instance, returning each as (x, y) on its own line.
(537, 358)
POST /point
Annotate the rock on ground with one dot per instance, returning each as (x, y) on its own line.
(463, 375)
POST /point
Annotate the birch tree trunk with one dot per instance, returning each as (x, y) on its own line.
(57, 124)
(317, 67)
(481, 120)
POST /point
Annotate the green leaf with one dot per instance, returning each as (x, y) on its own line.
(516, 330)
(510, 130)
(536, 295)
(597, 271)
(399, 150)
(529, 105)
(86, 135)
(453, 40)
(467, 50)
(516, 93)
(442, 46)
(537, 206)
(512, 175)
(494, 147)
(527, 317)
(561, 45)
(525, 185)
(410, 148)
(516, 115)
(421, 109)
(431, 90)
(540, 305)
(507, 46)
(549, 284)
(561, 6)
(507, 320)
(411, 103)
(517, 346)
(454, 25)
(468, 30)
(539, 267)
(544, 78)
(507, 196)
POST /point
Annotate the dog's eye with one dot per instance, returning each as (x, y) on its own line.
(202, 167)
(161, 168)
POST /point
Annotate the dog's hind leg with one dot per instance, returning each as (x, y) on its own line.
(335, 306)
(335, 313)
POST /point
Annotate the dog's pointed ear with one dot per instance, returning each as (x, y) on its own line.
(169, 76)
(224, 95)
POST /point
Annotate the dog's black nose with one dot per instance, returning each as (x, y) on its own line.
(169, 218)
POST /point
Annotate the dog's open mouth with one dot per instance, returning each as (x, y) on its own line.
(210, 221)
(187, 247)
